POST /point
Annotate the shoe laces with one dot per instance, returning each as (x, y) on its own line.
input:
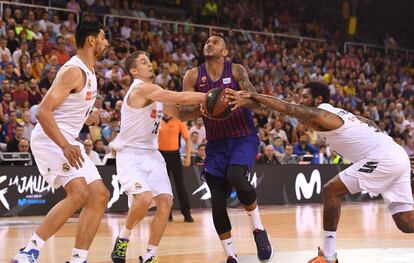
(121, 247)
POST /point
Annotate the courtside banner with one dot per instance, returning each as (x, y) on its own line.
(23, 191)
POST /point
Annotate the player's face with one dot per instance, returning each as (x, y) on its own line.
(144, 67)
(307, 99)
(215, 48)
(101, 45)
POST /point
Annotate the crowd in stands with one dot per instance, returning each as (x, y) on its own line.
(34, 44)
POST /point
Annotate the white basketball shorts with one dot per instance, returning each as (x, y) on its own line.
(54, 166)
(385, 171)
(141, 171)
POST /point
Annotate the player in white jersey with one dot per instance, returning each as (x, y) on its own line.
(140, 166)
(61, 159)
(380, 166)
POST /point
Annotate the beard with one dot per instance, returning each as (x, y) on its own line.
(101, 55)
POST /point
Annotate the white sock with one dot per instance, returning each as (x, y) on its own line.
(255, 220)
(150, 252)
(125, 233)
(35, 242)
(78, 255)
(228, 247)
(329, 243)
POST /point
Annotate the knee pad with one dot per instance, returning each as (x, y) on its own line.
(236, 175)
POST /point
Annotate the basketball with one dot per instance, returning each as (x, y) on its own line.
(215, 105)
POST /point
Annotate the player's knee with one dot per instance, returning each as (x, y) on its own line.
(328, 190)
(405, 227)
(246, 197)
(164, 203)
(145, 199)
(103, 195)
(236, 175)
(79, 197)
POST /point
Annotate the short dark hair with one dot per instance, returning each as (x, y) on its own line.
(131, 60)
(86, 29)
(318, 89)
(220, 36)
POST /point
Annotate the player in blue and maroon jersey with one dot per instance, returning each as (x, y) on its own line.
(232, 146)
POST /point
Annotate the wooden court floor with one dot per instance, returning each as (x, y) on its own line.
(295, 232)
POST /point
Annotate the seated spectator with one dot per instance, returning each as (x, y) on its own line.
(35, 96)
(12, 145)
(201, 155)
(23, 146)
(20, 95)
(111, 131)
(6, 106)
(46, 82)
(99, 147)
(94, 156)
(269, 156)
(278, 146)
(303, 147)
(277, 131)
(200, 129)
(322, 157)
(194, 142)
(288, 157)
(27, 125)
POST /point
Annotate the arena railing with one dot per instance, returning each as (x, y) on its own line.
(210, 29)
(365, 46)
(47, 8)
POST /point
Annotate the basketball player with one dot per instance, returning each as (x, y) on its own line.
(140, 166)
(232, 146)
(380, 166)
(61, 159)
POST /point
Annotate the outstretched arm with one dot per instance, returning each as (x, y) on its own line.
(242, 78)
(183, 112)
(319, 119)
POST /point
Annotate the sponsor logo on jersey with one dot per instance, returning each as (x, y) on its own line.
(88, 95)
(89, 84)
(65, 167)
(226, 80)
(203, 81)
(154, 113)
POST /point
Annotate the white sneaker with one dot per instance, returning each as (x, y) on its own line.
(26, 257)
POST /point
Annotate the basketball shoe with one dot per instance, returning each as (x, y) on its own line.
(120, 249)
(231, 260)
(321, 258)
(26, 257)
(264, 248)
(150, 260)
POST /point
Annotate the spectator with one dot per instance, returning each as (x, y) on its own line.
(201, 155)
(23, 146)
(111, 131)
(94, 156)
(99, 147)
(27, 125)
(73, 5)
(9, 126)
(200, 129)
(194, 142)
(4, 49)
(34, 95)
(303, 147)
(163, 78)
(12, 144)
(277, 131)
(46, 82)
(20, 95)
(6, 106)
(288, 157)
(269, 156)
(24, 47)
(278, 146)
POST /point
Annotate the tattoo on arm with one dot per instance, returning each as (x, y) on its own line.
(370, 123)
(243, 80)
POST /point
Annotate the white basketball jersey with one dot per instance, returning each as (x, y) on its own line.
(139, 127)
(73, 112)
(354, 139)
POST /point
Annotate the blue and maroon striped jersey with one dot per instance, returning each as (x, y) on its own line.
(240, 123)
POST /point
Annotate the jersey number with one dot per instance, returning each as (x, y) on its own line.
(156, 128)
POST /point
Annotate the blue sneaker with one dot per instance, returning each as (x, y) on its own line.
(26, 257)
(264, 248)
